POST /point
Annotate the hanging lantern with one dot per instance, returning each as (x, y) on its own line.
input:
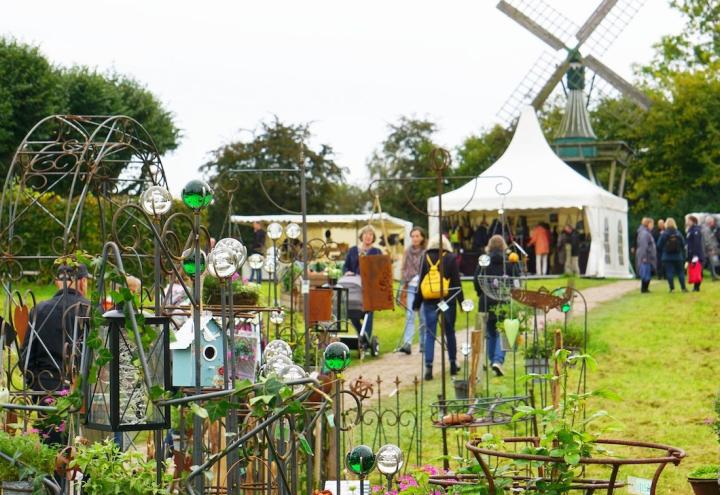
(119, 400)
(197, 194)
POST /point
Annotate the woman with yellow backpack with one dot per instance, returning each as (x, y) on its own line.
(439, 282)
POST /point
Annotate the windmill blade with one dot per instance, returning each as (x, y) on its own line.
(547, 89)
(530, 25)
(610, 23)
(527, 89)
(595, 19)
(627, 89)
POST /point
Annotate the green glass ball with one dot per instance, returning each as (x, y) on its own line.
(188, 262)
(360, 460)
(197, 194)
(566, 306)
(337, 356)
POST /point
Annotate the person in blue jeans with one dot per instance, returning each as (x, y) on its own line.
(410, 281)
(431, 307)
(671, 246)
(352, 267)
(499, 266)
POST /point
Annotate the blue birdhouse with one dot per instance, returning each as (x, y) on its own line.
(212, 342)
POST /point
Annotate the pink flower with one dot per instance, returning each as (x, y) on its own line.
(64, 392)
(61, 427)
(34, 430)
(235, 276)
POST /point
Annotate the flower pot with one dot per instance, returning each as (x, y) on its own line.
(17, 487)
(461, 389)
(705, 486)
(538, 366)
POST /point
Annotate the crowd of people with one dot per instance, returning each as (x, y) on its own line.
(662, 251)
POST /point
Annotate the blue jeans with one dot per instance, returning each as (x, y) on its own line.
(431, 320)
(495, 353)
(256, 274)
(409, 333)
(357, 323)
(673, 268)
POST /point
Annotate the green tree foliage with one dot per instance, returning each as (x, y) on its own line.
(698, 44)
(32, 89)
(405, 153)
(273, 145)
(479, 151)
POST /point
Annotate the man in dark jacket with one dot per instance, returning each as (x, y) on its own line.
(671, 246)
(695, 251)
(53, 325)
(431, 307)
(569, 243)
(645, 254)
(258, 247)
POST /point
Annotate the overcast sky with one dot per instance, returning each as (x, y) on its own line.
(350, 68)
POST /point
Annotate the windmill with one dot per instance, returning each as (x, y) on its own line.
(576, 50)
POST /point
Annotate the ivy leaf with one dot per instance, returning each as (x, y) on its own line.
(572, 458)
(198, 411)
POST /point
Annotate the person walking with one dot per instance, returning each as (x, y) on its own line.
(499, 267)
(569, 243)
(431, 308)
(711, 245)
(412, 261)
(352, 267)
(695, 253)
(540, 238)
(671, 246)
(258, 247)
(645, 254)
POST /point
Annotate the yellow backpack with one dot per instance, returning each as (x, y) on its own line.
(432, 284)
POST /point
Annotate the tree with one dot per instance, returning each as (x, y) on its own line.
(405, 153)
(272, 145)
(478, 152)
(32, 89)
(28, 92)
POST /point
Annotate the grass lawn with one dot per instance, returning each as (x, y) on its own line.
(659, 352)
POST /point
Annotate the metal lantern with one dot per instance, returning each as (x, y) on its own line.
(119, 400)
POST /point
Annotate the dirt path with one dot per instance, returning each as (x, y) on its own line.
(407, 367)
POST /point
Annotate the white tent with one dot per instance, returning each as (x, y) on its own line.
(542, 184)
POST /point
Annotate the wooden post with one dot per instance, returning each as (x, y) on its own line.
(557, 370)
(476, 348)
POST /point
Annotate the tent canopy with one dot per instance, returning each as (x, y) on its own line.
(543, 183)
(540, 180)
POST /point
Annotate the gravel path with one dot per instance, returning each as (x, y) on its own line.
(393, 364)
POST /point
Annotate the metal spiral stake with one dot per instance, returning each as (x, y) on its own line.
(440, 161)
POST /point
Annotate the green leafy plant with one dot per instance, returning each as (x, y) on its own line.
(108, 470)
(289, 276)
(32, 459)
(707, 472)
(538, 350)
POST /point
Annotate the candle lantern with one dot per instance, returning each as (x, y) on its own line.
(118, 398)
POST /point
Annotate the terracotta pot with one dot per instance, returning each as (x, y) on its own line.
(704, 486)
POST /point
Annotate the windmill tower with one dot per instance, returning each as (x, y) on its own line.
(576, 52)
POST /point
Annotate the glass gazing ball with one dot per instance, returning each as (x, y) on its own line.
(197, 194)
(277, 317)
(156, 200)
(484, 260)
(467, 305)
(567, 305)
(236, 246)
(293, 231)
(337, 356)
(274, 231)
(278, 346)
(256, 261)
(188, 262)
(292, 373)
(222, 262)
(360, 460)
(275, 365)
(389, 459)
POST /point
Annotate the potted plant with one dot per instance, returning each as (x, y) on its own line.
(106, 469)
(705, 480)
(333, 273)
(537, 358)
(33, 460)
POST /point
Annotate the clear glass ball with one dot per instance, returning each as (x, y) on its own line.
(156, 200)
(274, 231)
(256, 261)
(277, 347)
(275, 365)
(293, 231)
(484, 260)
(236, 246)
(292, 373)
(467, 305)
(222, 262)
(277, 317)
(389, 459)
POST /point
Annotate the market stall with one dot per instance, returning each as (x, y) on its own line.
(545, 189)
